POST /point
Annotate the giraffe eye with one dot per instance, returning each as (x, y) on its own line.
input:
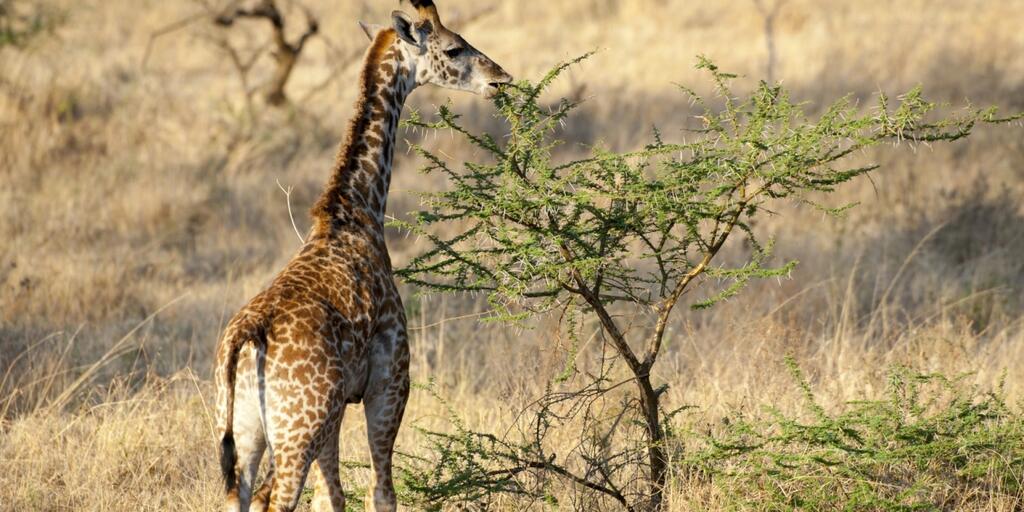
(454, 52)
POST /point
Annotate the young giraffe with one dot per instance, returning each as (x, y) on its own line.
(330, 328)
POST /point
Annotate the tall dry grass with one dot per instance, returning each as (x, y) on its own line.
(142, 208)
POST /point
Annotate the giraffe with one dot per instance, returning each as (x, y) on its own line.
(330, 328)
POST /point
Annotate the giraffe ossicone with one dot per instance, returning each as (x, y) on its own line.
(330, 329)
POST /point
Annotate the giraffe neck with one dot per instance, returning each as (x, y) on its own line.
(358, 188)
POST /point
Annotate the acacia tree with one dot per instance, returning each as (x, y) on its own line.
(624, 235)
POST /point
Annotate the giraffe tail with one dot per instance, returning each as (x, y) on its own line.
(231, 346)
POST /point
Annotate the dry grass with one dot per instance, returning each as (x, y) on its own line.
(130, 189)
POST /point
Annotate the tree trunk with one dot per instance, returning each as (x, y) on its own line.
(655, 448)
(285, 59)
(648, 395)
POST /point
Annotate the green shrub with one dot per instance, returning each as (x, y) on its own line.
(934, 443)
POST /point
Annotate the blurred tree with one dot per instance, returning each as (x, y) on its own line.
(769, 11)
(285, 53)
(20, 22)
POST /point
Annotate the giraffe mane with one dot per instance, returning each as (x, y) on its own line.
(326, 210)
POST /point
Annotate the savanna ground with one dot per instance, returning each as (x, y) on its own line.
(141, 207)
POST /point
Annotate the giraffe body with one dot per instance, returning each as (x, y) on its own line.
(330, 329)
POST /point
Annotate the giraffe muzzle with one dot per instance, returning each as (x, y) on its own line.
(495, 85)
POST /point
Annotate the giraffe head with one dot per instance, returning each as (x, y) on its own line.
(442, 57)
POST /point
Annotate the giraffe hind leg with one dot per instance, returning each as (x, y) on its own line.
(261, 498)
(250, 453)
(240, 496)
(328, 494)
(290, 468)
(250, 443)
(302, 422)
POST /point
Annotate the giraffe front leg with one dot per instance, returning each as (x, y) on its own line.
(385, 401)
(383, 417)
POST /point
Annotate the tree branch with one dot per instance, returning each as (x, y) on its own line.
(618, 340)
(558, 470)
(666, 307)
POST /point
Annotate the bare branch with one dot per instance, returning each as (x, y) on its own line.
(558, 470)
(288, 200)
(167, 29)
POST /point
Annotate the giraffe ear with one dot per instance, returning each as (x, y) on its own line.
(404, 27)
(371, 30)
